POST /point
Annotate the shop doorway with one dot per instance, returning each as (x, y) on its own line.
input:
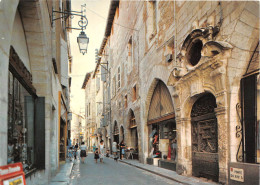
(122, 134)
(162, 146)
(116, 133)
(62, 140)
(133, 136)
(205, 138)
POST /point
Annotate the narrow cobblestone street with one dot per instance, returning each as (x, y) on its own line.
(112, 173)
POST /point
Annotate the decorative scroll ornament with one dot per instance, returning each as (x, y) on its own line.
(239, 134)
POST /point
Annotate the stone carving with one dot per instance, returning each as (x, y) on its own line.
(213, 48)
(204, 136)
(209, 49)
(203, 106)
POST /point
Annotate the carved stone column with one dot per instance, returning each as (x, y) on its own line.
(184, 165)
(223, 130)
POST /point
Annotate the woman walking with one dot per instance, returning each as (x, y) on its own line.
(122, 149)
(114, 150)
(101, 151)
(83, 152)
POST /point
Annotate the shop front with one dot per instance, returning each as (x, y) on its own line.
(62, 155)
(26, 118)
(62, 130)
(132, 141)
(247, 168)
(162, 129)
(116, 133)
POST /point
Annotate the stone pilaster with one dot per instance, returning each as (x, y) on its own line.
(184, 154)
(223, 131)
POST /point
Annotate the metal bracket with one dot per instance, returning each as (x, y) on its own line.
(239, 134)
(83, 22)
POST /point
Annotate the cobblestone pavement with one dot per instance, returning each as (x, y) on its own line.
(112, 173)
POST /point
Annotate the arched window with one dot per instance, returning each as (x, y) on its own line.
(132, 122)
(116, 130)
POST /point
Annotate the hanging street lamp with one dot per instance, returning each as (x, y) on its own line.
(82, 39)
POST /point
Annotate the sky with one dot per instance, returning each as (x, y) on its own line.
(96, 13)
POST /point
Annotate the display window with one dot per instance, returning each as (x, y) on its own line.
(20, 124)
(162, 140)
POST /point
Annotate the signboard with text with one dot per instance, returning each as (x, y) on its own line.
(12, 174)
(237, 174)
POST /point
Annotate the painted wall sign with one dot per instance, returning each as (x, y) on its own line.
(12, 174)
(237, 174)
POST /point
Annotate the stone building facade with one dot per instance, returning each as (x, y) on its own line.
(35, 85)
(181, 69)
(89, 85)
(78, 129)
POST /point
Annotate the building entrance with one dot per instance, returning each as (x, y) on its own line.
(205, 138)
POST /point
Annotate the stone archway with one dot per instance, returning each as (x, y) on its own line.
(116, 133)
(122, 134)
(204, 138)
(161, 128)
(132, 136)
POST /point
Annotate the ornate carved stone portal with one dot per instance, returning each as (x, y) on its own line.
(204, 138)
(201, 68)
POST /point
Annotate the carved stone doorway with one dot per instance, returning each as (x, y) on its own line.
(205, 162)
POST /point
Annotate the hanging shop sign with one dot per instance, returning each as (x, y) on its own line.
(12, 174)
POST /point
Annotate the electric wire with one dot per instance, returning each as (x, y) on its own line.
(106, 19)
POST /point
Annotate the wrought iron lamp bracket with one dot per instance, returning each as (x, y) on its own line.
(82, 23)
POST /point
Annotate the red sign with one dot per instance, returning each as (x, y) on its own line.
(12, 174)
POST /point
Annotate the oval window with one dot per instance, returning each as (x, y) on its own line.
(194, 52)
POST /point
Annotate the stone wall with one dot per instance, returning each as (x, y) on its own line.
(90, 99)
(228, 32)
(37, 33)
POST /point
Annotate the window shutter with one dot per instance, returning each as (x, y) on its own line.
(40, 132)
(249, 115)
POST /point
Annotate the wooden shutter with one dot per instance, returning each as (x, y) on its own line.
(249, 117)
(253, 65)
(40, 132)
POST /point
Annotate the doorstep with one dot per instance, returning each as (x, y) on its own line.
(169, 174)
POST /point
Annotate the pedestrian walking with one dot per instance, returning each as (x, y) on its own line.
(70, 153)
(83, 152)
(76, 146)
(68, 146)
(122, 149)
(107, 154)
(96, 155)
(94, 148)
(114, 150)
(75, 152)
(101, 151)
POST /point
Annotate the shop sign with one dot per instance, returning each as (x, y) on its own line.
(237, 174)
(12, 174)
